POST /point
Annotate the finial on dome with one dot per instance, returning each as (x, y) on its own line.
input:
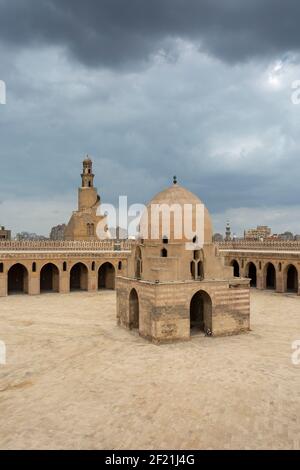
(174, 179)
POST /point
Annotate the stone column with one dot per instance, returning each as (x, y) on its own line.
(279, 280)
(92, 281)
(64, 282)
(33, 283)
(259, 278)
(3, 284)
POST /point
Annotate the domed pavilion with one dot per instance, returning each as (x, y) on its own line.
(176, 283)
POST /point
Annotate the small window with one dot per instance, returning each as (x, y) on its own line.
(280, 267)
(164, 253)
(64, 266)
(93, 266)
(1, 267)
(200, 271)
(260, 265)
(165, 240)
(120, 265)
(195, 239)
(34, 267)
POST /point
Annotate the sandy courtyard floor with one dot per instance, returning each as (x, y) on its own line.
(73, 379)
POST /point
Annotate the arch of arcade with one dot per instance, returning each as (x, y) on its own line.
(269, 264)
(36, 267)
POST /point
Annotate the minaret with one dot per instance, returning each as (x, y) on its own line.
(84, 223)
(87, 176)
(228, 232)
(87, 193)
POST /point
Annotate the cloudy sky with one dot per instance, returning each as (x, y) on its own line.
(200, 89)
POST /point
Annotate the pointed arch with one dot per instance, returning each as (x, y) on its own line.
(17, 279)
(106, 276)
(134, 310)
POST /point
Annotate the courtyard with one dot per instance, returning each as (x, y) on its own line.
(75, 380)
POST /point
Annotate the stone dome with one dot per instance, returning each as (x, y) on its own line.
(87, 160)
(180, 196)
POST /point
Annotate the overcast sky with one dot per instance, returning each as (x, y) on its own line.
(200, 89)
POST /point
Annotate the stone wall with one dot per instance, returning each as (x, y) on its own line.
(164, 308)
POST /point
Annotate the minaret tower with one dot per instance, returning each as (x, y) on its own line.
(87, 223)
(228, 232)
(87, 176)
(87, 193)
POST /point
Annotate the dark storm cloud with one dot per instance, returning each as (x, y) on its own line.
(230, 133)
(119, 32)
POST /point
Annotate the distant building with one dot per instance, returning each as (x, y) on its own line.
(57, 232)
(261, 231)
(23, 236)
(218, 237)
(4, 234)
(228, 232)
(286, 236)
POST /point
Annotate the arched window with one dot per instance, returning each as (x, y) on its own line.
(138, 263)
(119, 265)
(200, 270)
(65, 266)
(164, 253)
(236, 268)
(90, 228)
(93, 266)
(279, 267)
(193, 269)
(34, 267)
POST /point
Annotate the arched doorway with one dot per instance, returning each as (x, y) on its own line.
(106, 276)
(292, 279)
(49, 278)
(133, 310)
(17, 279)
(252, 274)
(200, 312)
(236, 268)
(270, 274)
(79, 277)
